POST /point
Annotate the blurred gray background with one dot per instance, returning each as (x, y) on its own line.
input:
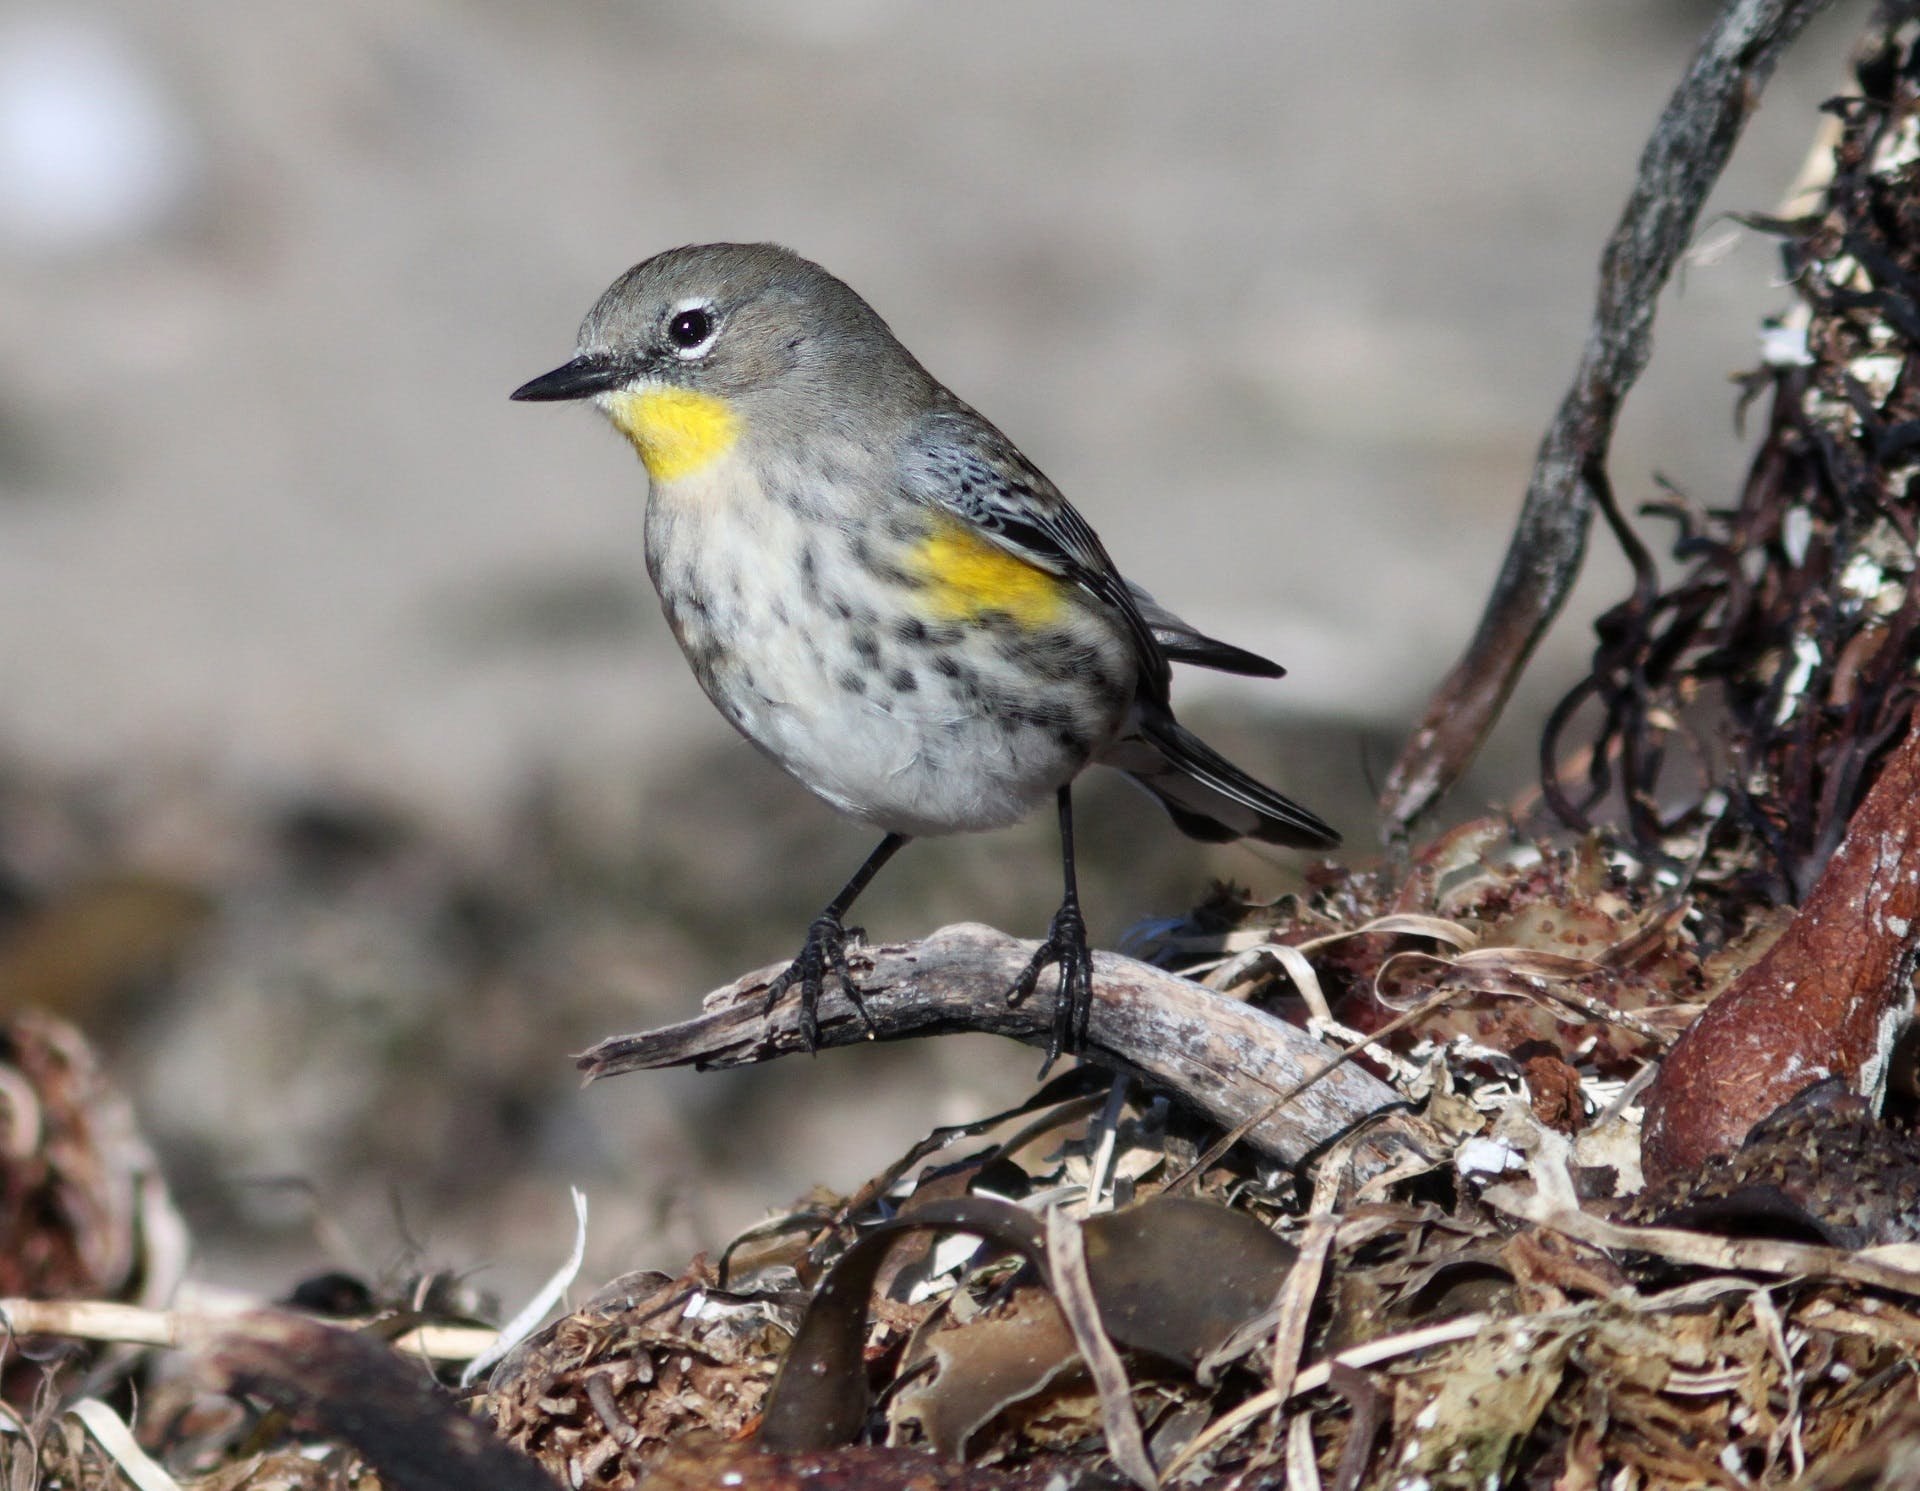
(1281, 295)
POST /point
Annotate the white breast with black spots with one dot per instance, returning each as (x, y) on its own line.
(815, 646)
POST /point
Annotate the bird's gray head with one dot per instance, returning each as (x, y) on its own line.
(727, 319)
(698, 346)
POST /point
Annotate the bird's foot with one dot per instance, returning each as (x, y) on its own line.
(824, 952)
(1066, 946)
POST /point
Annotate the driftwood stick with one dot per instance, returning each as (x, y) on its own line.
(1222, 1057)
(1678, 168)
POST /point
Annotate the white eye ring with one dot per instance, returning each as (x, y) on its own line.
(691, 328)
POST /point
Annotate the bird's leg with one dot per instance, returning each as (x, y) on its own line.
(1066, 945)
(826, 949)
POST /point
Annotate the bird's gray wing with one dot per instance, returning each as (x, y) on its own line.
(964, 466)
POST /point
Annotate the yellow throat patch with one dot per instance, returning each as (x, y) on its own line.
(967, 576)
(676, 430)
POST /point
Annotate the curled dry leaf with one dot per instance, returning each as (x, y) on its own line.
(1171, 1276)
(820, 1398)
(1178, 1276)
(1001, 1358)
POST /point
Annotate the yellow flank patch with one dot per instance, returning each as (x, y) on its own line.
(676, 430)
(968, 576)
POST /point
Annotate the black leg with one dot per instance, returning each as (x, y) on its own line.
(826, 948)
(1066, 945)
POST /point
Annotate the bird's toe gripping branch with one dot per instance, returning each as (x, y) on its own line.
(824, 952)
(1066, 946)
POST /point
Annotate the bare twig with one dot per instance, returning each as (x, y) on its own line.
(1679, 166)
(1224, 1058)
(192, 1329)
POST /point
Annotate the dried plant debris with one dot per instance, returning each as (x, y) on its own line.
(1743, 709)
(1821, 1169)
(1500, 1310)
(1214, 1269)
(1450, 1345)
(1097, 1286)
(703, 1464)
(1103, 1284)
(1526, 945)
(1562, 965)
(84, 1211)
(600, 1395)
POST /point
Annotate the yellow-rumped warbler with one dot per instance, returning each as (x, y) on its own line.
(882, 593)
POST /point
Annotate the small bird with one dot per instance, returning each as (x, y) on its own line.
(883, 594)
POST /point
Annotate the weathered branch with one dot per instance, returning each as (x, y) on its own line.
(1227, 1059)
(1682, 160)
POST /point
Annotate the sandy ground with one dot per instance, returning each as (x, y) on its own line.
(1281, 295)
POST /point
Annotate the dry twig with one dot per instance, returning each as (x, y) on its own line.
(1224, 1058)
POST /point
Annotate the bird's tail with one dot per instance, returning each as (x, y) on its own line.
(1207, 796)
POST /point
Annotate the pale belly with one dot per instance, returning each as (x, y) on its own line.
(915, 728)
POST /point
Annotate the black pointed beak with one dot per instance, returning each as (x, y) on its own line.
(580, 379)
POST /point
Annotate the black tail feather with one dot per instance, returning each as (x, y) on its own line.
(1222, 657)
(1207, 796)
(1183, 642)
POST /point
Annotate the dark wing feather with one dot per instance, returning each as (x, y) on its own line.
(964, 466)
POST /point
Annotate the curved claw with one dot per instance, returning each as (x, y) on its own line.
(824, 952)
(1066, 946)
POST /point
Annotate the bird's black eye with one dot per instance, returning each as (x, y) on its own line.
(690, 328)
